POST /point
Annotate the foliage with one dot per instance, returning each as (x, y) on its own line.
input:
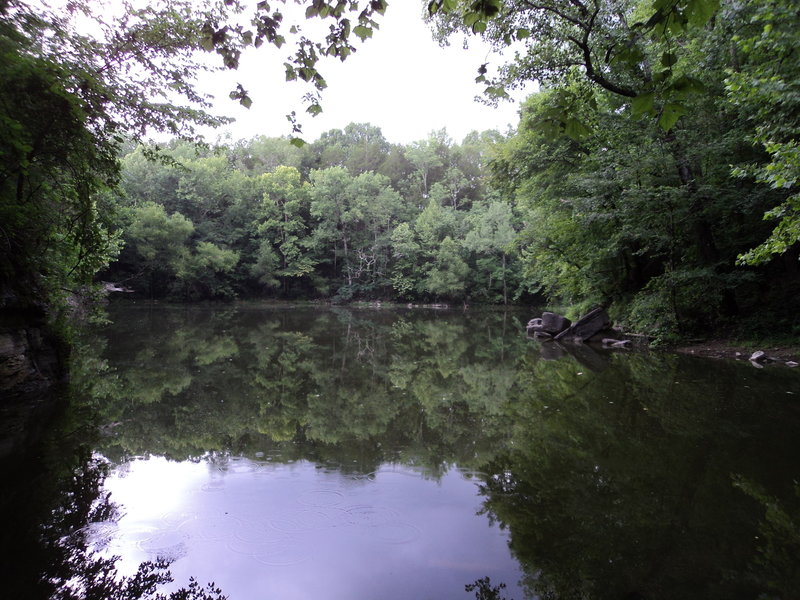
(766, 88)
(69, 102)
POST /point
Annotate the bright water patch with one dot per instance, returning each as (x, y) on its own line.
(278, 531)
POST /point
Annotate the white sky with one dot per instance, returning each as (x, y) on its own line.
(400, 80)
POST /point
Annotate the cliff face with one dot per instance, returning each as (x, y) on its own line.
(32, 368)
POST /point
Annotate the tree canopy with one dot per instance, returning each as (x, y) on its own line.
(654, 172)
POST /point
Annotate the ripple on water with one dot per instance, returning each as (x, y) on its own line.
(366, 515)
(278, 552)
(321, 498)
(98, 534)
(170, 544)
(396, 533)
(310, 520)
(215, 485)
(212, 528)
(257, 531)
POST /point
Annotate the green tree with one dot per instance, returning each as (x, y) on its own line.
(284, 224)
(69, 102)
(160, 242)
(764, 84)
(446, 275)
(492, 234)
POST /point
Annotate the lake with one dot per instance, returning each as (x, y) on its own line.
(288, 453)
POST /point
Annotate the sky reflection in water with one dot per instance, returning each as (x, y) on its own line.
(292, 531)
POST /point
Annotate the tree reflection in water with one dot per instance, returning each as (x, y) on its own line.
(61, 520)
(620, 477)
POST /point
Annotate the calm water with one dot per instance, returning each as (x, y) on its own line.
(332, 454)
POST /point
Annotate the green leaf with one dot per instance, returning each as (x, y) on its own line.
(575, 129)
(298, 142)
(698, 12)
(362, 32)
(668, 59)
(686, 84)
(670, 115)
(643, 103)
(207, 43)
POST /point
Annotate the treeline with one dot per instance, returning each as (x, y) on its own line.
(656, 174)
(350, 216)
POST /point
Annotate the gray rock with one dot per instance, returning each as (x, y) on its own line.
(758, 356)
(534, 325)
(588, 325)
(791, 363)
(553, 323)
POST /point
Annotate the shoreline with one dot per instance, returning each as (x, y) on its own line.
(728, 349)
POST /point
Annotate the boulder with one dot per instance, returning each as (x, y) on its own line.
(588, 325)
(534, 325)
(553, 323)
(758, 356)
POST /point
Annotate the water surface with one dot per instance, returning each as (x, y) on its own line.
(286, 452)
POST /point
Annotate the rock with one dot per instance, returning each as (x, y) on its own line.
(758, 356)
(534, 325)
(588, 325)
(553, 323)
(791, 363)
(756, 364)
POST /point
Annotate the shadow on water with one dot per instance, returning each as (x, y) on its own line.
(615, 475)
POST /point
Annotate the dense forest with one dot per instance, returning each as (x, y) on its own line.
(654, 173)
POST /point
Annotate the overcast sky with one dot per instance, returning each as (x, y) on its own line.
(400, 80)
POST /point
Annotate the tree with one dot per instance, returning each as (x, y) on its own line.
(764, 84)
(160, 242)
(69, 102)
(491, 234)
(284, 222)
(446, 276)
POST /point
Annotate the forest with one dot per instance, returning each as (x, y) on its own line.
(654, 173)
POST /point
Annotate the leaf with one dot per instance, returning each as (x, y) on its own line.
(207, 43)
(698, 12)
(670, 115)
(575, 129)
(643, 103)
(297, 142)
(668, 59)
(362, 32)
(685, 84)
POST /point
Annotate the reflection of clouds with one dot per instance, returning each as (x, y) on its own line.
(270, 525)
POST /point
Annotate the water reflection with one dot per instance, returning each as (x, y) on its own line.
(346, 454)
(271, 530)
